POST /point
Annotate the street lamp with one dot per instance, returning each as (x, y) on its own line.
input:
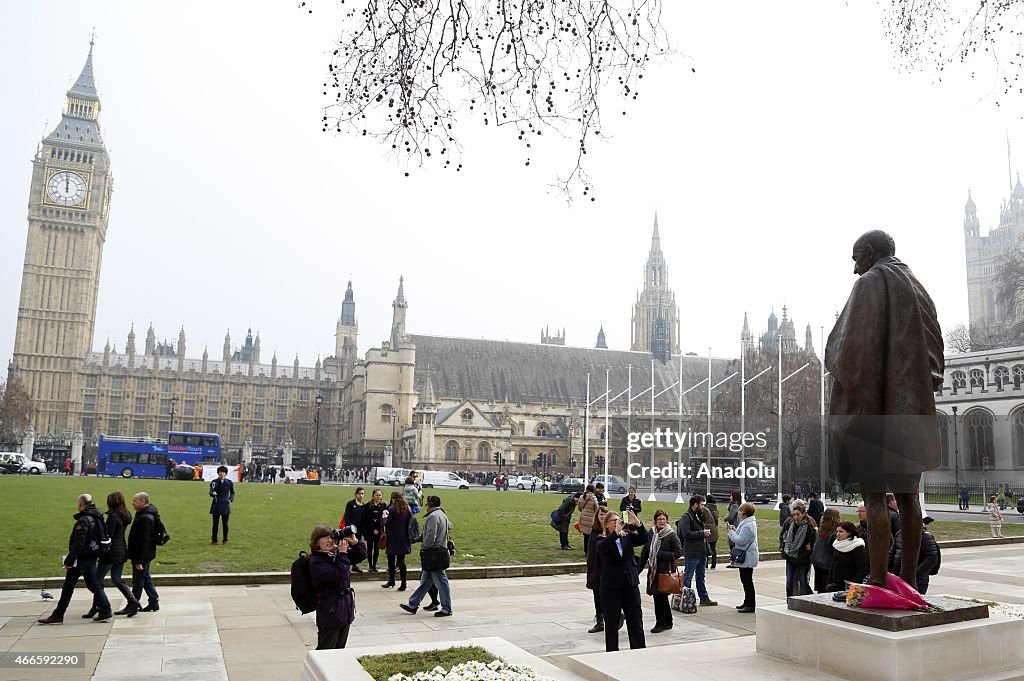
(316, 441)
(174, 406)
(394, 426)
(956, 453)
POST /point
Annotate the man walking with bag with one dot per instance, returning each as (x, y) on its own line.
(434, 560)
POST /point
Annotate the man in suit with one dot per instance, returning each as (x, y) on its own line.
(620, 583)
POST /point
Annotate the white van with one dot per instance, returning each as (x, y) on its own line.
(431, 479)
(381, 476)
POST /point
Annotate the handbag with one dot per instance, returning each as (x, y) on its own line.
(435, 559)
(737, 555)
(451, 547)
(670, 582)
(382, 543)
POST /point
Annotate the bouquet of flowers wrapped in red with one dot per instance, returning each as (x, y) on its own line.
(898, 596)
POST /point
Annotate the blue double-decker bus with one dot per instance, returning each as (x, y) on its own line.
(142, 457)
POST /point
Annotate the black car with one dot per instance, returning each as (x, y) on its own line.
(569, 485)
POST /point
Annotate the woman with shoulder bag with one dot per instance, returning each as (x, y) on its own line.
(797, 539)
(744, 554)
(660, 554)
(587, 505)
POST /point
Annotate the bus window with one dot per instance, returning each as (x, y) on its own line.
(153, 458)
(124, 457)
(208, 441)
(176, 439)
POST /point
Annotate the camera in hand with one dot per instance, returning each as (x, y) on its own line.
(343, 533)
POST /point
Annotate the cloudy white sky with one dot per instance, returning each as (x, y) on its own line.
(232, 209)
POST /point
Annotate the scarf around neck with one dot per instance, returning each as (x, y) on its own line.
(656, 537)
(847, 545)
(795, 538)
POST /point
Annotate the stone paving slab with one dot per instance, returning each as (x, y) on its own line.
(255, 633)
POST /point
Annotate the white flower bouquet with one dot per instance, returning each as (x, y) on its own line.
(497, 670)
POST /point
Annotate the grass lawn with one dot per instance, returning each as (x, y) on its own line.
(271, 523)
(382, 667)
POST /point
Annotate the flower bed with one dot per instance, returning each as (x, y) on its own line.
(405, 664)
(1012, 610)
(474, 670)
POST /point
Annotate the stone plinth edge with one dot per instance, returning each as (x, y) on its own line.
(343, 664)
(950, 652)
(952, 611)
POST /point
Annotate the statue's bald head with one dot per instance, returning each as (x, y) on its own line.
(881, 243)
(869, 248)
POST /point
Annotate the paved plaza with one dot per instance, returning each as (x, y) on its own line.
(246, 633)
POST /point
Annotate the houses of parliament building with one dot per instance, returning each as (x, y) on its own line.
(412, 400)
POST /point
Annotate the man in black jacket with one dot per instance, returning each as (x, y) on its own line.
(353, 516)
(81, 562)
(815, 507)
(691, 530)
(784, 509)
(142, 550)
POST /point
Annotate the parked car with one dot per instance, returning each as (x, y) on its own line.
(613, 484)
(33, 468)
(526, 482)
(430, 479)
(569, 485)
(11, 462)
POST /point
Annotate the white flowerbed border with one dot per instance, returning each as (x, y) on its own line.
(496, 670)
(1012, 610)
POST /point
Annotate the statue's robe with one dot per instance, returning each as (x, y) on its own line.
(886, 362)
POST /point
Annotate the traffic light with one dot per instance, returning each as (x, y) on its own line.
(497, 459)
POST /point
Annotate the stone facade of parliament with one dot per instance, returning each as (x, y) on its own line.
(432, 401)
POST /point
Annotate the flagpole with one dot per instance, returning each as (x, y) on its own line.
(652, 497)
(586, 435)
(607, 430)
(679, 430)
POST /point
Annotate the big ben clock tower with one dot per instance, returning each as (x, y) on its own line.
(68, 210)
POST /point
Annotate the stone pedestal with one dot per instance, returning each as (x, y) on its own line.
(960, 650)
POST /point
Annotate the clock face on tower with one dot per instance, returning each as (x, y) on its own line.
(66, 188)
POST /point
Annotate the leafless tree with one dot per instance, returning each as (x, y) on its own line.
(958, 339)
(944, 33)
(404, 71)
(15, 410)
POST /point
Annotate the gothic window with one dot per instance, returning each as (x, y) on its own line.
(1001, 376)
(165, 386)
(257, 435)
(451, 451)
(236, 390)
(260, 391)
(114, 427)
(257, 410)
(90, 382)
(978, 430)
(542, 430)
(601, 436)
(483, 452)
(236, 411)
(215, 390)
(282, 393)
(467, 416)
(117, 383)
(977, 378)
(1018, 376)
(959, 380)
(140, 405)
(385, 413)
(304, 395)
(1017, 433)
(236, 434)
(141, 384)
(943, 440)
(552, 458)
(165, 407)
(212, 410)
(115, 405)
(524, 457)
(282, 412)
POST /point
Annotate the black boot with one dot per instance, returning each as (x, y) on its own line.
(598, 626)
(391, 580)
(92, 612)
(401, 569)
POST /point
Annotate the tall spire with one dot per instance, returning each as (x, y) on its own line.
(85, 86)
(398, 317)
(655, 237)
(348, 307)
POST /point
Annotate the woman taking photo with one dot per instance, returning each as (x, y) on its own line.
(850, 558)
(745, 555)
(821, 556)
(620, 584)
(330, 566)
(630, 502)
(118, 519)
(373, 518)
(660, 554)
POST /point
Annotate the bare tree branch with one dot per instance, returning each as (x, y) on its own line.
(404, 71)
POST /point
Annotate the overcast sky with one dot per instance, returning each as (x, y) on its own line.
(232, 209)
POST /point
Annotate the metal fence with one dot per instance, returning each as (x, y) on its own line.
(949, 493)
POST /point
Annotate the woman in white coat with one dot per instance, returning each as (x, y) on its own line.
(743, 537)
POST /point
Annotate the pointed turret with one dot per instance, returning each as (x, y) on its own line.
(206, 359)
(273, 366)
(746, 337)
(129, 347)
(348, 307)
(79, 123)
(106, 353)
(808, 340)
(601, 342)
(256, 348)
(400, 307)
(150, 340)
(181, 342)
(227, 351)
(656, 237)
(295, 366)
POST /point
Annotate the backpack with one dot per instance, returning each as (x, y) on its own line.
(414, 530)
(938, 560)
(685, 602)
(556, 515)
(99, 540)
(160, 536)
(303, 591)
